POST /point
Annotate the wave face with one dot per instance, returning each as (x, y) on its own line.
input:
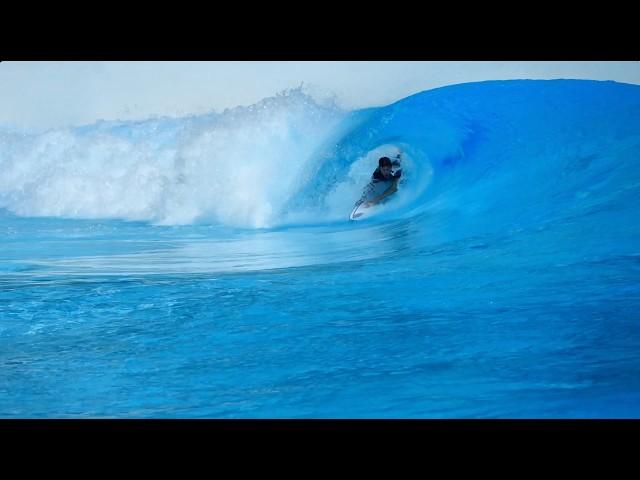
(476, 157)
(205, 266)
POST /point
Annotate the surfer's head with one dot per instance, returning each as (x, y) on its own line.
(384, 164)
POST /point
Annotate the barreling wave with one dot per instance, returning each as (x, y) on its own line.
(476, 156)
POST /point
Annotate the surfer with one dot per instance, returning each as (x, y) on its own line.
(383, 178)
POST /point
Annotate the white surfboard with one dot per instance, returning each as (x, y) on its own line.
(361, 211)
(355, 213)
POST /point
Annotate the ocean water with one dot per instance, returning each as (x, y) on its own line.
(205, 267)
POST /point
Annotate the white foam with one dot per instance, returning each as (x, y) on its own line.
(237, 168)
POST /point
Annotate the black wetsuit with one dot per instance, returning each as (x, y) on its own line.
(379, 177)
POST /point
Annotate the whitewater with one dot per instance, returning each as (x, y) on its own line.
(205, 266)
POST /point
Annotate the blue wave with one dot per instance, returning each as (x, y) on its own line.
(502, 154)
(477, 155)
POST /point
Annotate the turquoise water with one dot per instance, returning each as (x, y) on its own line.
(204, 267)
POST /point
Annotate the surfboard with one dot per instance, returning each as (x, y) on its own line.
(360, 211)
(355, 214)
